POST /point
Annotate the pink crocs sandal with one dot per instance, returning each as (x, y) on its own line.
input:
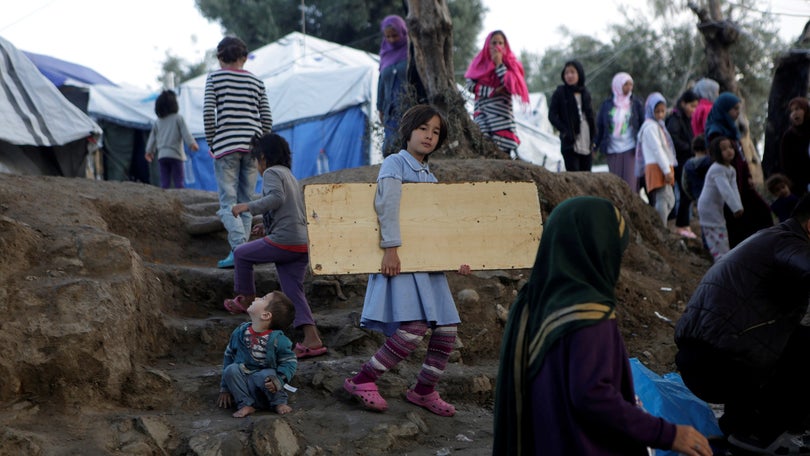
(235, 305)
(367, 394)
(432, 402)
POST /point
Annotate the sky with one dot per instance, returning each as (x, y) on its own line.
(127, 43)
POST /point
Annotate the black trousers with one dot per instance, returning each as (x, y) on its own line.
(764, 402)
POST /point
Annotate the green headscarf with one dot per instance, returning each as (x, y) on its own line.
(572, 285)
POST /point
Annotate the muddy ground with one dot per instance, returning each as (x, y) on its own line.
(113, 326)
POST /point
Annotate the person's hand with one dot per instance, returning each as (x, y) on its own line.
(224, 400)
(496, 54)
(464, 269)
(390, 265)
(739, 213)
(500, 91)
(149, 157)
(382, 118)
(669, 179)
(690, 442)
(257, 230)
(194, 146)
(238, 209)
(270, 384)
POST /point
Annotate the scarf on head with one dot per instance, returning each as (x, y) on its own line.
(572, 286)
(719, 122)
(707, 88)
(482, 70)
(620, 101)
(649, 116)
(570, 90)
(392, 53)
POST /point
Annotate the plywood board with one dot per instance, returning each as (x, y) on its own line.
(488, 225)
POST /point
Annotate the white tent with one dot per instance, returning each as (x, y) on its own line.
(538, 143)
(322, 96)
(41, 132)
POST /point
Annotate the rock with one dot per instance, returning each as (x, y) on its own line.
(467, 296)
(274, 437)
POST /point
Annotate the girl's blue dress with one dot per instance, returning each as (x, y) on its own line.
(418, 296)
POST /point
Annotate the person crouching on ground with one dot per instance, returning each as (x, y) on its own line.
(259, 359)
(740, 339)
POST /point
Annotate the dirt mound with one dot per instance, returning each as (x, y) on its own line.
(114, 330)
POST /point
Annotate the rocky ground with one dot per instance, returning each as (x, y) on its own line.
(113, 326)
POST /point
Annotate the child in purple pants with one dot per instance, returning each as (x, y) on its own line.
(284, 242)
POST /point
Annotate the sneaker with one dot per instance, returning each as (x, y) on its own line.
(785, 444)
(226, 262)
(687, 233)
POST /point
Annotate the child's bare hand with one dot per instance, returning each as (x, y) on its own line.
(273, 384)
(149, 157)
(739, 213)
(225, 400)
(390, 265)
(238, 209)
(464, 269)
(257, 230)
(194, 146)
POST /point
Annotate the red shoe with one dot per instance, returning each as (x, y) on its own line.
(302, 351)
(235, 305)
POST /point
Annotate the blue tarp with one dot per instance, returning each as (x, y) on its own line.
(668, 397)
(318, 146)
(58, 71)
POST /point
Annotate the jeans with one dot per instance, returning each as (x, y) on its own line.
(236, 175)
(248, 389)
(290, 268)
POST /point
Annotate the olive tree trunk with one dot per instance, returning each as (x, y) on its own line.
(430, 28)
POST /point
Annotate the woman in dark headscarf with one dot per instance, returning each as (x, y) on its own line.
(565, 385)
(571, 113)
(722, 121)
(795, 146)
(393, 77)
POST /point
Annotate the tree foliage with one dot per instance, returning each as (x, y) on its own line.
(354, 23)
(666, 58)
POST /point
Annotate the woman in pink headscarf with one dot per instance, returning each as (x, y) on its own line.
(392, 83)
(495, 76)
(617, 125)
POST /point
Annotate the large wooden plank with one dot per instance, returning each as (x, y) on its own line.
(488, 225)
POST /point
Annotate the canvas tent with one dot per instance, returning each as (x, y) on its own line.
(41, 132)
(125, 120)
(322, 96)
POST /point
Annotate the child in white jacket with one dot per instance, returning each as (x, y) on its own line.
(655, 146)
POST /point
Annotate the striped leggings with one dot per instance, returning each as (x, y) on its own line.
(402, 343)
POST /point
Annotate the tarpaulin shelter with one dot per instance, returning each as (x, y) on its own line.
(41, 132)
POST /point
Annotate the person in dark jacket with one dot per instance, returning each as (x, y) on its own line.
(565, 386)
(571, 113)
(679, 125)
(617, 124)
(795, 146)
(740, 341)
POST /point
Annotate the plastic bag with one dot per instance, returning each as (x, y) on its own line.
(667, 397)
